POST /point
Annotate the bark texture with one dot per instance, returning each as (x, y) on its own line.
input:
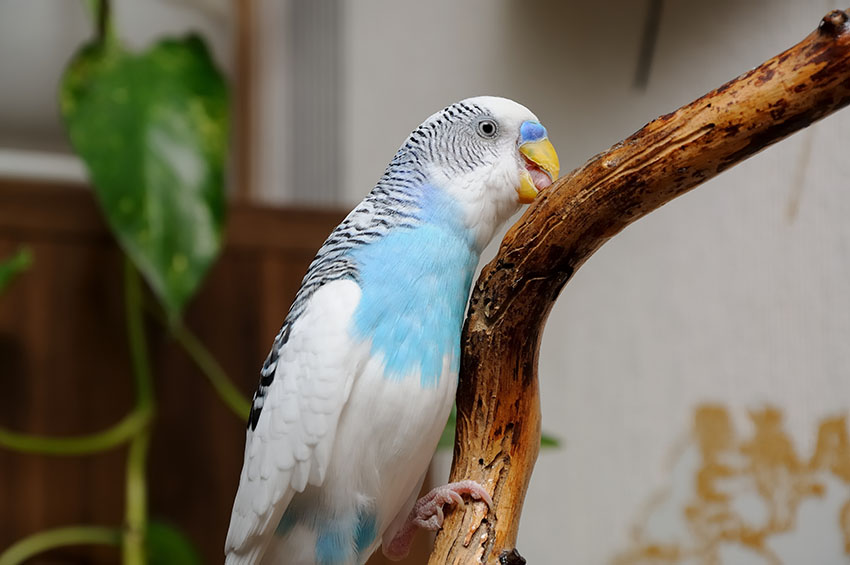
(498, 427)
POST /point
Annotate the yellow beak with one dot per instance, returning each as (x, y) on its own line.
(542, 154)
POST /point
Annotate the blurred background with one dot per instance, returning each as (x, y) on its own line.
(695, 369)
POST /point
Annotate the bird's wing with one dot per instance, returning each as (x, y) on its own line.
(292, 438)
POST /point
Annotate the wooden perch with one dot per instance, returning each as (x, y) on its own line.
(498, 426)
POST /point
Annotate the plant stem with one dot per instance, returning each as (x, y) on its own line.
(40, 542)
(135, 513)
(14, 266)
(221, 383)
(114, 436)
(136, 495)
(201, 356)
(136, 336)
(101, 15)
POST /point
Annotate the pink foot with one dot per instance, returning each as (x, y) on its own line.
(427, 514)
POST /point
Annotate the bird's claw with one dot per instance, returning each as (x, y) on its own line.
(428, 511)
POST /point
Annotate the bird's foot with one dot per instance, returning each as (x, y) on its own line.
(427, 514)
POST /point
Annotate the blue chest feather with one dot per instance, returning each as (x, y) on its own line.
(415, 284)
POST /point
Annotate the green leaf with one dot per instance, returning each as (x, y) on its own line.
(168, 546)
(152, 129)
(447, 440)
(549, 441)
(13, 266)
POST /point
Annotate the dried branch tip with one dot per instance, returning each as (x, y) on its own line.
(511, 557)
(833, 23)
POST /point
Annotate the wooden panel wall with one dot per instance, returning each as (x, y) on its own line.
(64, 365)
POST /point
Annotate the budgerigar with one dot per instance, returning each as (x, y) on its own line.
(362, 376)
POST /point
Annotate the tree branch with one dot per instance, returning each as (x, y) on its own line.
(498, 424)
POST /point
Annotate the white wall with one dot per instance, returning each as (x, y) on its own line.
(38, 38)
(724, 296)
(406, 60)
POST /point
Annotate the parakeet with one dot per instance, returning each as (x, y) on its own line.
(361, 378)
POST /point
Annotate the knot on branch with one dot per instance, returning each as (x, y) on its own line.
(833, 23)
(511, 557)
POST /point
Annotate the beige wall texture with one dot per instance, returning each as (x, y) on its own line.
(696, 368)
(691, 364)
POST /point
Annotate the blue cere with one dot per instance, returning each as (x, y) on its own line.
(415, 285)
(531, 131)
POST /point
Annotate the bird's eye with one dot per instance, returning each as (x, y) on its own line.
(487, 128)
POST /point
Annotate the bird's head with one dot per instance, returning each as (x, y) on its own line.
(489, 155)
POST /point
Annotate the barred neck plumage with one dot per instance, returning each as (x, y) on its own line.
(394, 203)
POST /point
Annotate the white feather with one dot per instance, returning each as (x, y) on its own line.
(296, 430)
